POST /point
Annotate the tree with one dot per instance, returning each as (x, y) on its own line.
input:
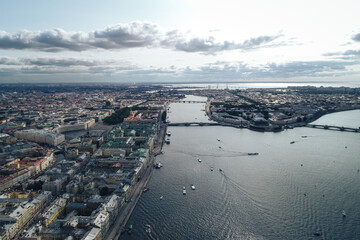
(118, 116)
(163, 116)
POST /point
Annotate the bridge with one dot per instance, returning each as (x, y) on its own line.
(183, 101)
(191, 124)
(328, 127)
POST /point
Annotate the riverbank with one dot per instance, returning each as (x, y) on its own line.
(276, 127)
(120, 223)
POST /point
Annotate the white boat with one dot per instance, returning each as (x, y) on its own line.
(158, 165)
(168, 133)
(343, 213)
(211, 169)
(199, 160)
(192, 186)
(148, 228)
(161, 197)
(184, 191)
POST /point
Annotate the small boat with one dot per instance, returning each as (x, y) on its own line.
(161, 197)
(148, 228)
(146, 189)
(158, 165)
(211, 169)
(184, 191)
(167, 141)
(192, 186)
(218, 140)
(304, 136)
(219, 146)
(129, 231)
(168, 133)
(220, 170)
(343, 213)
(199, 160)
(254, 153)
(292, 142)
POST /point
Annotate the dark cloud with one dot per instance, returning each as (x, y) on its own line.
(55, 62)
(356, 37)
(122, 36)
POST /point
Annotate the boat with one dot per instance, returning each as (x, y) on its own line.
(148, 228)
(343, 213)
(161, 197)
(199, 160)
(254, 153)
(211, 169)
(167, 141)
(168, 133)
(218, 140)
(219, 146)
(292, 142)
(129, 231)
(146, 189)
(192, 186)
(304, 136)
(184, 191)
(158, 165)
(220, 170)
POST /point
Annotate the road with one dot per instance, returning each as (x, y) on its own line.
(126, 210)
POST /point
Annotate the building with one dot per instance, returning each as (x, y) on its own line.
(41, 136)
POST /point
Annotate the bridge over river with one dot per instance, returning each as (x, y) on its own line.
(329, 127)
(187, 101)
(188, 124)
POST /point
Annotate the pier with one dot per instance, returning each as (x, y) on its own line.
(188, 124)
(329, 127)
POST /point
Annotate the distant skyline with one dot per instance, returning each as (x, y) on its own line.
(179, 41)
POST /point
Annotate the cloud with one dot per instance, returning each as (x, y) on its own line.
(180, 42)
(57, 62)
(123, 36)
(350, 54)
(356, 37)
(242, 71)
(74, 69)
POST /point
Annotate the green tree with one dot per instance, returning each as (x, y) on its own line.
(118, 116)
(163, 116)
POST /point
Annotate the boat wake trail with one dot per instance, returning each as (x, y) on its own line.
(223, 154)
(255, 203)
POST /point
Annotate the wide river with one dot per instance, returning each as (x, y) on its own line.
(288, 191)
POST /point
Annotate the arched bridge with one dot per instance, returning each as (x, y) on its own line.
(188, 124)
(329, 127)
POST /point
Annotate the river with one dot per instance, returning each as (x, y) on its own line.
(288, 191)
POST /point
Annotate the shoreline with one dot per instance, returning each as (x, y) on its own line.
(280, 127)
(126, 210)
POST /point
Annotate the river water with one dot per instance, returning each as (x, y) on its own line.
(288, 191)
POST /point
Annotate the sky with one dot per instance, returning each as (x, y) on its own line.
(179, 41)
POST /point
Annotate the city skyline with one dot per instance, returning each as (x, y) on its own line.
(179, 41)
